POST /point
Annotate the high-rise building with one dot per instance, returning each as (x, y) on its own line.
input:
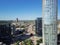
(49, 20)
(58, 39)
(38, 25)
(5, 33)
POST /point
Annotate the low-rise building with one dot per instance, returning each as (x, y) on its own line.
(58, 26)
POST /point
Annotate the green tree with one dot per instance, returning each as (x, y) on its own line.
(39, 41)
(28, 42)
(22, 26)
(17, 43)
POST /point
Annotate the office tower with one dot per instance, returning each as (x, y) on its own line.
(58, 39)
(38, 25)
(5, 33)
(17, 20)
(49, 20)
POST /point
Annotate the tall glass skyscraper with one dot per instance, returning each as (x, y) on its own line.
(49, 21)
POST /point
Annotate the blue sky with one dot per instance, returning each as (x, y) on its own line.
(22, 9)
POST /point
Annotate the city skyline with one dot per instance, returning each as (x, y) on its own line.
(22, 9)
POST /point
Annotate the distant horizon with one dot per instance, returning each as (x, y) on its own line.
(20, 19)
(22, 9)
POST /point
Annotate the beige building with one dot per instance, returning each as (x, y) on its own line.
(58, 26)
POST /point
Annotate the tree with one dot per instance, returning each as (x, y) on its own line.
(17, 43)
(22, 26)
(39, 41)
(28, 42)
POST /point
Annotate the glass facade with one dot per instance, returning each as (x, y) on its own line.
(38, 24)
(49, 22)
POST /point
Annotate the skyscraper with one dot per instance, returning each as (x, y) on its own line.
(38, 24)
(49, 22)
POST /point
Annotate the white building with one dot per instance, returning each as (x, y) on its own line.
(49, 20)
